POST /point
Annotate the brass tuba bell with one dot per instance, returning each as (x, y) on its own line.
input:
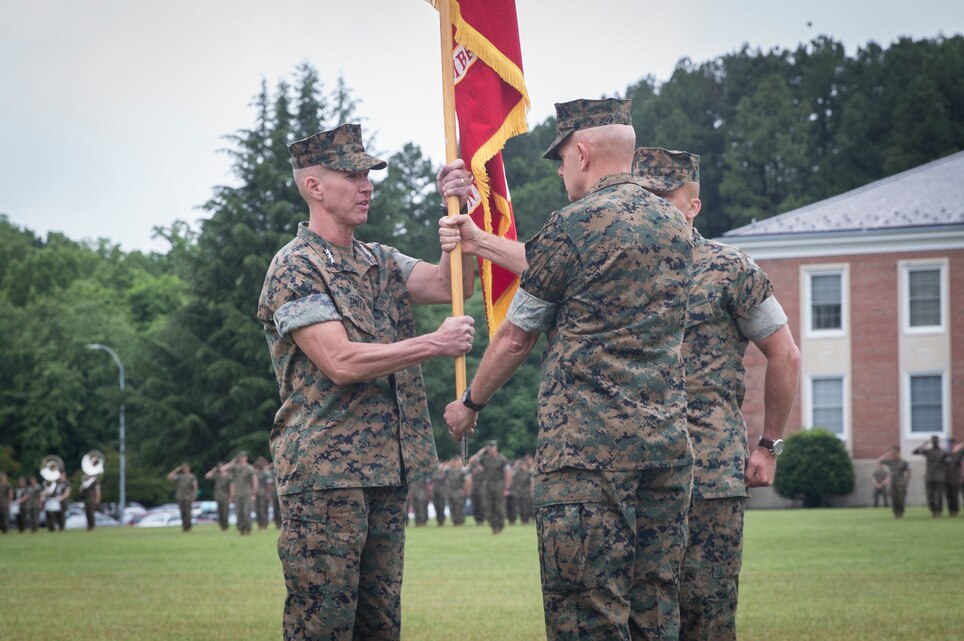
(93, 463)
(51, 467)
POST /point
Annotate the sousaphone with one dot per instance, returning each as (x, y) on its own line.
(51, 468)
(93, 466)
(93, 463)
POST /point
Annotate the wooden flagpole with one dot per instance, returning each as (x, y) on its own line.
(452, 202)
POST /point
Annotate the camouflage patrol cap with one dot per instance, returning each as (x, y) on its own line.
(663, 170)
(340, 148)
(584, 114)
(493, 442)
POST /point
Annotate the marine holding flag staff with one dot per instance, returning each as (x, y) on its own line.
(607, 279)
(353, 428)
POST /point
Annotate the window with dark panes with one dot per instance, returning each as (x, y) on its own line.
(924, 290)
(926, 403)
(826, 302)
(828, 410)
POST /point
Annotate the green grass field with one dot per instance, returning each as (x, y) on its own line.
(828, 575)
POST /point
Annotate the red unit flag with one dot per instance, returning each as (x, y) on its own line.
(491, 103)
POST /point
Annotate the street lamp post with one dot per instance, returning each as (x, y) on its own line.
(123, 478)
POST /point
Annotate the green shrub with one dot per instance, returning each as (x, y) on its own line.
(814, 465)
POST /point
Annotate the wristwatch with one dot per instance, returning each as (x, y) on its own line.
(774, 447)
(467, 401)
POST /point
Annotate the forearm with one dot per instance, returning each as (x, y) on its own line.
(468, 275)
(780, 389)
(780, 384)
(355, 362)
(504, 252)
(508, 350)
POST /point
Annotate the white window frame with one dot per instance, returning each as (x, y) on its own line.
(945, 404)
(908, 266)
(826, 270)
(844, 436)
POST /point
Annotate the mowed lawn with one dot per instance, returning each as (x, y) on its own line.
(847, 575)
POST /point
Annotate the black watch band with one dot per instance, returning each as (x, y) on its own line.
(445, 209)
(467, 401)
(773, 447)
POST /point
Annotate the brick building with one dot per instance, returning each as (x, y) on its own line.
(873, 283)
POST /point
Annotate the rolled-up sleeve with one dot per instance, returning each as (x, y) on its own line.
(296, 314)
(552, 260)
(765, 318)
(405, 263)
(530, 313)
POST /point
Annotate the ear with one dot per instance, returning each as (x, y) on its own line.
(696, 205)
(314, 187)
(582, 148)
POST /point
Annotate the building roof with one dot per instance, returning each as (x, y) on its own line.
(924, 197)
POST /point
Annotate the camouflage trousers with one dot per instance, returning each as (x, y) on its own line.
(223, 511)
(511, 508)
(184, 507)
(525, 508)
(711, 570)
(953, 490)
(438, 501)
(935, 496)
(341, 554)
(420, 509)
(898, 492)
(478, 503)
(261, 510)
(457, 507)
(610, 552)
(493, 500)
(242, 509)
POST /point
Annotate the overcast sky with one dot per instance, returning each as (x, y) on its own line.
(113, 112)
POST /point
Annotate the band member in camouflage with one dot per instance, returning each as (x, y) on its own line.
(353, 428)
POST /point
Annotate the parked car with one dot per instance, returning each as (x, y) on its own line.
(160, 517)
(76, 521)
(133, 513)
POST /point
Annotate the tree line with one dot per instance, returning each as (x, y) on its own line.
(775, 130)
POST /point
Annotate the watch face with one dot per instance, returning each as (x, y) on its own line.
(778, 446)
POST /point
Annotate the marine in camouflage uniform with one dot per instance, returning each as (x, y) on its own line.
(731, 303)
(511, 500)
(263, 495)
(185, 491)
(952, 477)
(455, 483)
(607, 279)
(222, 493)
(353, 428)
(418, 498)
(522, 488)
(475, 493)
(933, 474)
(899, 479)
(244, 486)
(493, 476)
(880, 483)
(439, 492)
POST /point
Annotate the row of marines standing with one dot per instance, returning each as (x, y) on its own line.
(499, 490)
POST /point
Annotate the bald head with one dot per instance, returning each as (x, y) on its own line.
(588, 155)
(611, 146)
